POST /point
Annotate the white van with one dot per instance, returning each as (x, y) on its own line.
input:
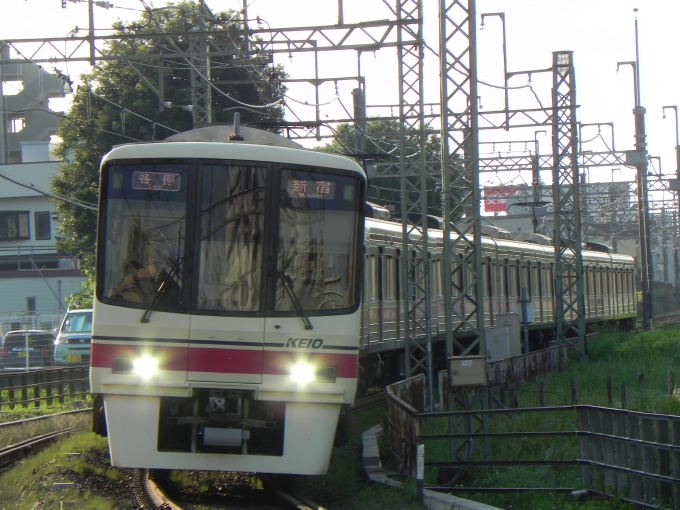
(73, 343)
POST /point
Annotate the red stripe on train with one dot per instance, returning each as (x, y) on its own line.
(234, 361)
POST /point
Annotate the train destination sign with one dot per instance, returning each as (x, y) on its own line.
(156, 181)
(313, 189)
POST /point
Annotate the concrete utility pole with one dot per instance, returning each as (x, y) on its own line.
(640, 161)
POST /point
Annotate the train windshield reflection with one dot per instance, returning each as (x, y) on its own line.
(247, 229)
(145, 229)
(318, 222)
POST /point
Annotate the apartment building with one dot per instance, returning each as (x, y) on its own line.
(34, 277)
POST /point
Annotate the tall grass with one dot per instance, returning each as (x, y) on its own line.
(639, 361)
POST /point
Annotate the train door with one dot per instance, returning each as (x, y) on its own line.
(227, 328)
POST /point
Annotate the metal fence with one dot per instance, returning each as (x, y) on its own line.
(47, 321)
(630, 455)
(40, 388)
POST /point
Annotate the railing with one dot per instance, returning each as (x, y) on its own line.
(18, 258)
(633, 455)
(630, 455)
(527, 367)
(48, 321)
(405, 400)
(40, 388)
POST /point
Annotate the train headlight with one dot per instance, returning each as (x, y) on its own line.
(302, 373)
(145, 367)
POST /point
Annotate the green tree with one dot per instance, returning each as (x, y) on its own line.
(115, 105)
(83, 299)
(381, 148)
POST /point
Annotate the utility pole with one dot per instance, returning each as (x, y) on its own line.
(640, 161)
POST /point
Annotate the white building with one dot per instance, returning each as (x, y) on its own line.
(34, 277)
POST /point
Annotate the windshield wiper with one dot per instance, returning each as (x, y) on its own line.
(288, 285)
(161, 289)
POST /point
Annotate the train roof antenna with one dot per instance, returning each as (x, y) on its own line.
(236, 135)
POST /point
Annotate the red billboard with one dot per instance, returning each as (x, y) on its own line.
(496, 197)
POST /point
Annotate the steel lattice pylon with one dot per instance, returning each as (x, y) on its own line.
(569, 302)
(201, 93)
(460, 176)
(415, 259)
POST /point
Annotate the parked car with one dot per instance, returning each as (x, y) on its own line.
(72, 346)
(26, 349)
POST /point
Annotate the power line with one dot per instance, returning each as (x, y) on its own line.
(33, 187)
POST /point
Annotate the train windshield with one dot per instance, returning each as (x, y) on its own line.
(318, 224)
(260, 238)
(145, 226)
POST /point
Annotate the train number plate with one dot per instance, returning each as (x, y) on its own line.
(73, 359)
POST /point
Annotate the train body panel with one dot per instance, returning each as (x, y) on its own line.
(507, 266)
(307, 447)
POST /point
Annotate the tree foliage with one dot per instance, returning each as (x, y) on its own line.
(115, 105)
(381, 147)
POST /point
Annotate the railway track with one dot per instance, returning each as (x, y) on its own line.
(15, 452)
(152, 489)
(12, 453)
(368, 401)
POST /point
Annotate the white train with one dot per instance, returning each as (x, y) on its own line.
(227, 313)
(510, 261)
(230, 316)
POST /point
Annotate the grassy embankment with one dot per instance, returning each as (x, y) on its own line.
(627, 359)
(76, 473)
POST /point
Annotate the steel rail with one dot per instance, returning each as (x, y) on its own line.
(12, 453)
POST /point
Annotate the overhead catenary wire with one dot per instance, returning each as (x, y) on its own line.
(62, 115)
(33, 187)
(203, 77)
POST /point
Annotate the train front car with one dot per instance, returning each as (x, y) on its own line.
(227, 310)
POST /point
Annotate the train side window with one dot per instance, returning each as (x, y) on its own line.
(418, 275)
(494, 280)
(371, 278)
(512, 280)
(504, 284)
(375, 288)
(535, 282)
(485, 278)
(390, 278)
(524, 278)
(367, 278)
(436, 271)
(456, 278)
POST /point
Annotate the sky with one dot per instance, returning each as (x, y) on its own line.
(599, 32)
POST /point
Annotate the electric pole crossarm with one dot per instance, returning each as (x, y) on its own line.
(515, 118)
(220, 42)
